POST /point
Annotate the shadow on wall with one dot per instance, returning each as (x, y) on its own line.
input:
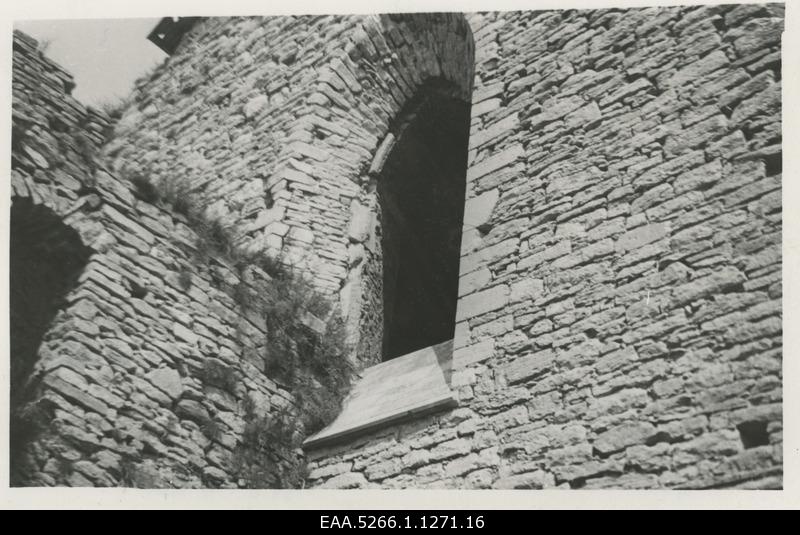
(46, 258)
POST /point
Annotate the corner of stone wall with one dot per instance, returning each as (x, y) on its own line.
(150, 369)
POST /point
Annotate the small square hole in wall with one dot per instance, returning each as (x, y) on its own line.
(753, 434)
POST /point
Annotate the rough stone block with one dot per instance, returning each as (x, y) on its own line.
(633, 239)
(167, 380)
(697, 135)
(478, 210)
(449, 449)
(694, 71)
(532, 480)
(624, 435)
(482, 302)
(472, 354)
(499, 160)
(474, 281)
(707, 285)
(528, 366)
(757, 34)
(526, 289)
(77, 395)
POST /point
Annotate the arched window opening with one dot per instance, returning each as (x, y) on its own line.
(46, 258)
(421, 194)
(411, 280)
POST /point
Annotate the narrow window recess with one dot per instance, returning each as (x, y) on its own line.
(420, 172)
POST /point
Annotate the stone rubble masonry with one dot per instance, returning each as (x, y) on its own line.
(277, 123)
(619, 316)
(620, 292)
(122, 363)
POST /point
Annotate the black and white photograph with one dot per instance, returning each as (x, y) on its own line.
(530, 249)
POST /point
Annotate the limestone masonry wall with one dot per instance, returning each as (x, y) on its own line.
(275, 122)
(123, 371)
(619, 312)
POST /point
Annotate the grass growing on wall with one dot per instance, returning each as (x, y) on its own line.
(304, 347)
(309, 356)
(266, 455)
(27, 423)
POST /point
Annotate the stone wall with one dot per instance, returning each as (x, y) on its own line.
(619, 318)
(619, 323)
(276, 123)
(120, 386)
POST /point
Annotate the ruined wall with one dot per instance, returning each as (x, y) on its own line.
(620, 310)
(619, 320)
(275, 121)
(120, 391)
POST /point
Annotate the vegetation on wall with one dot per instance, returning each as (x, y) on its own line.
(309, 356)
(114, 108)
(266, 455)
(304, 347)
(27, 423)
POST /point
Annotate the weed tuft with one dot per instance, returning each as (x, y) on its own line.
(304, 346)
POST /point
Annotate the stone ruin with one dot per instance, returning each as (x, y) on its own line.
(554, 238)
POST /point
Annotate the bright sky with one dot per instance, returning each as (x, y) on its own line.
(104, 55)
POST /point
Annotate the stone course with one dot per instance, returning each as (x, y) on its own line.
(621, 179)
(619, 322)
(121, 366)
(305, 126)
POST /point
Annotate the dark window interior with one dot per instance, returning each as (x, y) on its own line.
(421, 191)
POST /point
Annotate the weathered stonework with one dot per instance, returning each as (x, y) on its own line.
(121, 365)
(619, 313)
(620, 290)
(303, 124)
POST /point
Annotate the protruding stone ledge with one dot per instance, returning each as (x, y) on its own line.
(400, 388)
